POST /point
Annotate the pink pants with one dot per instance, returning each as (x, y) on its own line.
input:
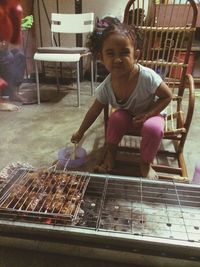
(120, 123)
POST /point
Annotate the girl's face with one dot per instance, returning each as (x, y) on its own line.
(118, 54)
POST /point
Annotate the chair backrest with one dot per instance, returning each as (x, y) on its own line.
(168, 32)
(72, 23)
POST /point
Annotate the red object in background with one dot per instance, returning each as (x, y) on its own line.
(3, 84)
(176, 71)
(10, 21)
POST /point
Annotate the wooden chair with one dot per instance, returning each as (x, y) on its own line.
(168, 32)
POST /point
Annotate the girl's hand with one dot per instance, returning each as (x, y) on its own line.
(76, 137)
(139, 119)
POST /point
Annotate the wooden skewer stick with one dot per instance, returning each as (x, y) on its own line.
(73, 155)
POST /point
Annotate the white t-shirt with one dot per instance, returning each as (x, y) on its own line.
(141, 98)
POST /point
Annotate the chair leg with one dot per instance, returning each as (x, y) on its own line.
(92, 76)
(78, 84)
(37, 82)
(57, 78)
(182, 165)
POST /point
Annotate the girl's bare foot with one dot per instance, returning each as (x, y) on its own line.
(8, 107)
(107, 164)
(147, 171)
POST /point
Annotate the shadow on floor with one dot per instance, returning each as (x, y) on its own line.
(47, 95)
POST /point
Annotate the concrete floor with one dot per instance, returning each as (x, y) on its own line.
(35, 133)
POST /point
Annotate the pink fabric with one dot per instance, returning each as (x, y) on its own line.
(152, 130)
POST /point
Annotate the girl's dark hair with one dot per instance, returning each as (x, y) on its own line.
(99, 35)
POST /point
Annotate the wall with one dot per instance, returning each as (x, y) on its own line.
(42, 17)
(100, 8)
(27, 6)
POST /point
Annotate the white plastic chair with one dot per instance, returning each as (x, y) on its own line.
(68, 24)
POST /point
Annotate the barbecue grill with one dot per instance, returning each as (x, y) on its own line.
(131, 220)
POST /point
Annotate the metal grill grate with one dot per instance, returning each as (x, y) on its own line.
(142, 207)
(115, 204)
(43, 196)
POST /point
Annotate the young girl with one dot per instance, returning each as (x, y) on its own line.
(137, 94)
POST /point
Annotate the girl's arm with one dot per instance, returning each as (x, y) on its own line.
(164, 95)
(89, 119)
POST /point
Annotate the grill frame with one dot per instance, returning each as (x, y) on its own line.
(87, 242)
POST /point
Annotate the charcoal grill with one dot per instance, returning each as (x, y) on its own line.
(131, 220)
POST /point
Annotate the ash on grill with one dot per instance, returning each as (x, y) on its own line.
(144, 208)
(43, 196)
